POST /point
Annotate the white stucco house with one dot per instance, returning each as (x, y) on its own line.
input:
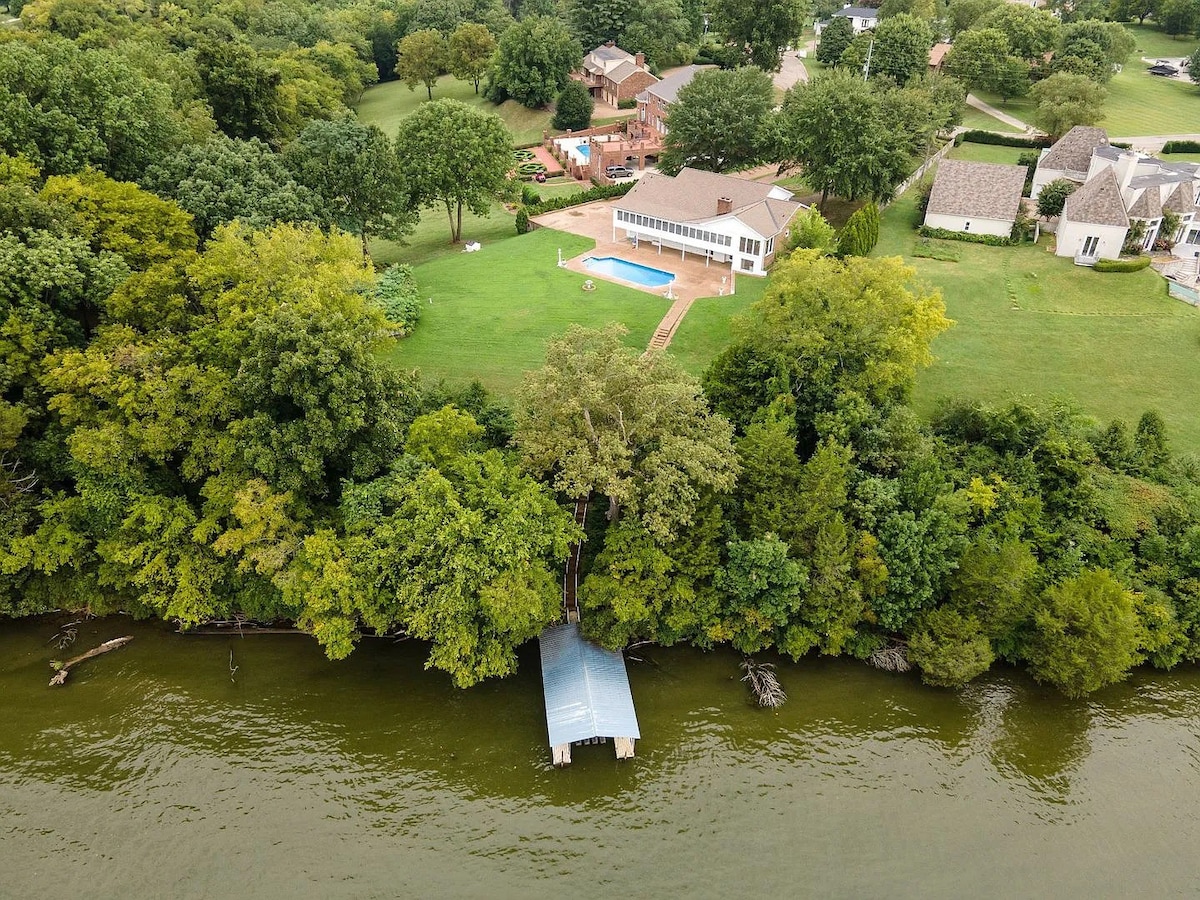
(862, 18)
(719, 218)
(1118, 189)
(976, 198)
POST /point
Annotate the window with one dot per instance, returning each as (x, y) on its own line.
(748, 265)
(967, 226)
(1091, 244)
(1193, 236)
(749, 246)
(770, 246)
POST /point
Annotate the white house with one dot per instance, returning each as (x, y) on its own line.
(974, 197)
(723, 219)
(862, 18)
(1119, 189)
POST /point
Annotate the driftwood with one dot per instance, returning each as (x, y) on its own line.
(764, 683)
(893, 658)
(63, 669)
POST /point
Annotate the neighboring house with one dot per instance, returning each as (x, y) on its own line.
(1070, 157)
(937, 56)
(612, 75)
(974, 197)
(654, 101)
(862, 18)
(1118, 190)
(718, 217)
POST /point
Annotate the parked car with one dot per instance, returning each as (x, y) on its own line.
(618, 172)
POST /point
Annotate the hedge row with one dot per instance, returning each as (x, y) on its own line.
(1122, 265)
(992, 240)
(1003, 140)
(1181, 147)
(597, 192)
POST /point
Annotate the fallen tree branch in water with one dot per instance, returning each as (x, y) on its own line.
(890, 659)
(63, 669)
(764, 683)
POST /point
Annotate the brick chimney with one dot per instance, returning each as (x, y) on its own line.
(639, 59)
(609, 44)
(724, 206)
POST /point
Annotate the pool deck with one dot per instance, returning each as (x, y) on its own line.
(694, 276)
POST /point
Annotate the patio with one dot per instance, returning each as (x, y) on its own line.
(695, 276)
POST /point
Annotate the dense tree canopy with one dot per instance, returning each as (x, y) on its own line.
(718, 120)
(533, 61)
(760, 28)
(1065, 100)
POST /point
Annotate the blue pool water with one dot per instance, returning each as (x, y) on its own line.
(585, 151)
(627, 271)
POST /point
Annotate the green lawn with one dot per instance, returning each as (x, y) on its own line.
(976, 119)
(492, 311)
(1153, 43)
(1031, 324)
(387, 104)
(431, 239)
(991, 153)
(1180, 157)
(707, 329)
(560, 187)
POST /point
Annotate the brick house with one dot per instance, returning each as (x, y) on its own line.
(611, 75)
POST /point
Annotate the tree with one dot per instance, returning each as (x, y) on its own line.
(1064, 101)
(717, 120)
(834, 128)
(979, 57)
(1085, 634)
(902, 45)
(1053, 196)
(760, 28)
(962, 15)
(860, 234)
(600, 417)
(949, 649)
(533, 61)
(1194, 66)
(1012, 80)
(1030, 32)
(835, 38)
(573, 109)
(1177, 17)
(243, 89)
(664, 31)
(1124, 10)
(594, 22)
(454, 155)
(470, 50)
(224, 179)
(351, 170)
(761, 590)
(421, 57)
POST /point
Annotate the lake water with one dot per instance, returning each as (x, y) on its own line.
(155, 773)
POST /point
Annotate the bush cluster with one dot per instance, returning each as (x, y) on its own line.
(992, 240)
(597, 192)
(396, 294)
(1181, 147)
(1122, 265)
(1002, 140)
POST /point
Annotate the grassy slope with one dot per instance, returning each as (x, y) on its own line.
(974, 118)
(492, 311)
(387, 104)
(1031, 324)
(708, 327)
(990, 153)
(431, 240)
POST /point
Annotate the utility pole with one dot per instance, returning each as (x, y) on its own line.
(867, 64)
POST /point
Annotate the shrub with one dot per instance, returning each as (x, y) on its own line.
(573, 109)
(522, 221)
(530, 197)
(992, 240)
(950, 649)
(1002, 140)
(627, 103)
(861, 232)
(396, 294)
(1181, 147)
(1053, 196)
(1122, 265)
(597, 192)
(810, 231)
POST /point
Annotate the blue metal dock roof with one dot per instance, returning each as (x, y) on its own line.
(587, 689)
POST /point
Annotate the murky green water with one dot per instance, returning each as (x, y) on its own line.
(153, 774)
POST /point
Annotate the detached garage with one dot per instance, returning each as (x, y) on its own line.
(976, 198)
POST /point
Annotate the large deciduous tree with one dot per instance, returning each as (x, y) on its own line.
(421, 57)
(351, 169)
(835, 38)
(469, 52)
(243, 88)
(573, 108)
(760, 28)
(902, 45)
(453, 155)
(533, 62)
(978, 57)
(718, 120)
(593, 22)
(1065, 100)
(1030, 32)
(834, 128)
(601, 417)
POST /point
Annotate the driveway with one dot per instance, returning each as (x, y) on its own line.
(791, 72)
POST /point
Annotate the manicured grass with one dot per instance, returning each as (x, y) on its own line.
(431, 239)
(492, 311)
(1154, 43)
(708, 328)
(1029, 324)
(387, 104)
(991, 153)
(1180, 157)
(979, 120)
(560, 187)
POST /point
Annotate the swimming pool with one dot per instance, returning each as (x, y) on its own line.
(627, 271)
(584, 150)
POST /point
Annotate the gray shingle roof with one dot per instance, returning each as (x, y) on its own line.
(587, 689)
(691, 196)
(623, 71)
(1073, 151)
(1097, 202)
(982, 190)
(858, 12)
(667, 89)
(1180, 200)
(1148, 205)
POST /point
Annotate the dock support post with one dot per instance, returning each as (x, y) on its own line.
(624, 747)
(562, 755)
